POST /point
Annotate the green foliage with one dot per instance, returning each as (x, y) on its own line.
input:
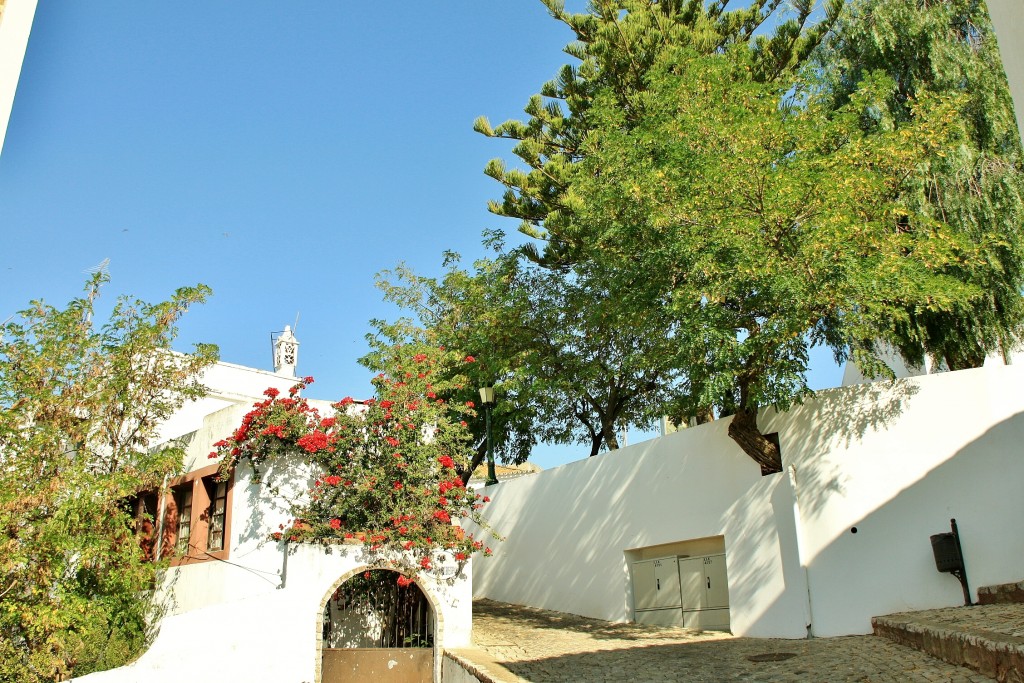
(695, 174)
(569, 365)
(617, 43)
(974, 184)
(386, 469)
(79, 405)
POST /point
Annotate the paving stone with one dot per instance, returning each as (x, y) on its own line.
(556, 647)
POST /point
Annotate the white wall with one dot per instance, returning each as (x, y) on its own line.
(15, 25)
(568, 530)
(1008, 21)
(896, 460)
(272, 637)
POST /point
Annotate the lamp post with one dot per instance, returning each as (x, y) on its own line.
(487, 400)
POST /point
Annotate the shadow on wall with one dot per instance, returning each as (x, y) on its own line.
(568, 549)
(887, 565)
(268, 503)
(836, 419)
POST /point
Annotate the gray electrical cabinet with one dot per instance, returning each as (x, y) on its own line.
(704, 592)
(682, 591)
(656, 596)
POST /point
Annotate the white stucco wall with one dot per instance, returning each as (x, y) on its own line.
(272, 636)
(15, 25)
(228, 384)
(1008, 21)
(895, 459)
(568, 530)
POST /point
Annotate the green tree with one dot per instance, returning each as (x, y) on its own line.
(705, 182)
(568, 368)
(79, 406)
(975, 185)
(617, 43)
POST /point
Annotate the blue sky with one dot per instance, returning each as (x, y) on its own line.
(280, 157)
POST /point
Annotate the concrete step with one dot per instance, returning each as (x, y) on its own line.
(986, 638)
(1001, 594)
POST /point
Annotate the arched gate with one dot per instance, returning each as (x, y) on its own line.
(377, 630)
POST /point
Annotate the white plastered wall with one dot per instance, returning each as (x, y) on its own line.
(272, 636)
(15, 25)
(897, 460)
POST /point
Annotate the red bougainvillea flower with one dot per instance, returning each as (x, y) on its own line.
(403, 580)
(397, 485)
(420, 357)
(332, 480)
(446, 461)
(313, 442)
(335, 523)
(470, 359)
(271, 392)
(328, 422)
(460, 557)
(442, 516)
(307, 380)
(425, 562)
(470, 404)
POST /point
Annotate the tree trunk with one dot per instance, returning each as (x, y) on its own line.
(478, 457)
(611, 439)
(743, 430)
(595, 443)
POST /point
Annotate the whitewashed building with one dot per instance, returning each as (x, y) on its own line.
(239, 606)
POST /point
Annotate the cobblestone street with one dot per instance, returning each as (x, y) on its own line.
(548, 647)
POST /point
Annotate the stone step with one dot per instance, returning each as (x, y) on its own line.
(986, 638)
(1001, 594)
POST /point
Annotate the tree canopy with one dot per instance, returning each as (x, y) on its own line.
(707, 177)
(974, 184)
(79, 406)
(568, 364)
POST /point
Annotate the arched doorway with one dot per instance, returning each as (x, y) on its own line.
(378, 628)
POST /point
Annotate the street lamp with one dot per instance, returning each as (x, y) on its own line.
(487, 400)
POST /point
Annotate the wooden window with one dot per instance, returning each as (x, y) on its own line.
(197, 519)
(183, 533)
(218, 493)
(144, 509)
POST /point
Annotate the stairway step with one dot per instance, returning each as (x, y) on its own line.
(986, 638)
(1001, 594)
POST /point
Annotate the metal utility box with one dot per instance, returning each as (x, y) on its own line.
(656, 596)
(682, 591)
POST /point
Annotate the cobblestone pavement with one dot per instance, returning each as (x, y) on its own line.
(551, 647)
(1007, 620)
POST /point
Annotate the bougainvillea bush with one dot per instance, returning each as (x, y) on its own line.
(387, 465)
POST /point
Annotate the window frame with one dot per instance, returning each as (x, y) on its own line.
(200, 482)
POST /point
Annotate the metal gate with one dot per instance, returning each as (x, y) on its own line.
(376, 630)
